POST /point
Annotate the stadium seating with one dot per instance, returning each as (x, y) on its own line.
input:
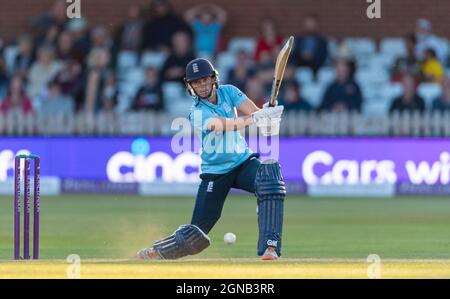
(127, 59)
(176, 98)
(304, 75)
(429, 92)
(9, 55)
(373, 76)
(361, 47)
(246, 43)
(224, 63)
(325, 75)
(313, 93)
(153, 59)
(393, 46)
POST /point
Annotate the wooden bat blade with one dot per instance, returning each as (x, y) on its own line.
(280, 66)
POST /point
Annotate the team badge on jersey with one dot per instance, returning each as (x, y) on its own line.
(226, 107)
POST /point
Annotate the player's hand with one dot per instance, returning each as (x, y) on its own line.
(268, 120)
(267, 113)
(267, 104)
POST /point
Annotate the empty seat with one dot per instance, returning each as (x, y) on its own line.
(429, 92)
(304, 75)
(153, 59)
(128, 89)
(391, 91)
(372, 75)
(313, 94)
(10, 54)
(363, 46)
(246, 43)
(333, 47)
(134, 76)
(326, 75)
(224, 63)
(127, 59)
(380, 61)
(444, 49)
(394, 46)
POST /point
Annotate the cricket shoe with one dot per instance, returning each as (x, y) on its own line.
(270, 254)
(148, 254)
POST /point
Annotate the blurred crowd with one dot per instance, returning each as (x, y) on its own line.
(67, 65)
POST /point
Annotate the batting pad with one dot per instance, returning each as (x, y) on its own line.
(188, 239)
(270, 192)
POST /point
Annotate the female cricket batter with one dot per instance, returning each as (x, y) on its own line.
(227, 163)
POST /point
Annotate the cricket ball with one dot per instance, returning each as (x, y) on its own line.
(229, 238)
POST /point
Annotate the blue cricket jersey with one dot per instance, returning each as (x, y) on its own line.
(221, 151)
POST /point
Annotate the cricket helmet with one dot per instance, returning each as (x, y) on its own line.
(197, 69)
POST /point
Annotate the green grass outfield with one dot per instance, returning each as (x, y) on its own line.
(323, 237)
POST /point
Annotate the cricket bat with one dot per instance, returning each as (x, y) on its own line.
(280, 66)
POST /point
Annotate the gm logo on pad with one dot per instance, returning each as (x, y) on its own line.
(195, 68)
(272, 243)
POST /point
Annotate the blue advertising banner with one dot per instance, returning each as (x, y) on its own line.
(413, 165)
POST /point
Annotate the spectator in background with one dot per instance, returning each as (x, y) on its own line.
(408, 65)
(241, 71)
(207, 21)
(254, 89)
(409, 100)
(292, 99)
(70, 80)
(163, 23)
(24, 58)
(310, 49)
(288, 79)
(425, 39)
(109, 95)
(149, 96)
(129, 35)
(16, 98)
(432, 69)
(442, 103)
(80, 34)
(48, 25)
(174, 67)
(50, 37)
(64, 50)
(100, 38)
(56, 103)
(42, 71)
(97, 79)
(344, 94)
(264, 72)
(289, 73)
(268, 42)
(3, 76)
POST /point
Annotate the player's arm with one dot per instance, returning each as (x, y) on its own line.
(259, 117)
(248, 107)
(229, 124)
(191, 14)
(221, 14)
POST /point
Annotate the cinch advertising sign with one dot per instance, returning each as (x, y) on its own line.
(313, 161)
